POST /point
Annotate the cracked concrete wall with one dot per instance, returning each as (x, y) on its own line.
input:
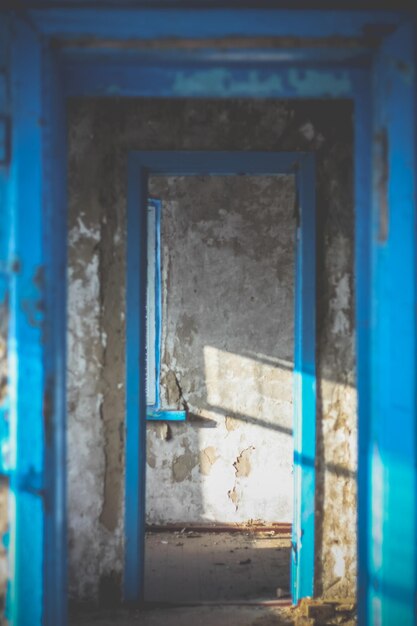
(100, 135)
(228, 268)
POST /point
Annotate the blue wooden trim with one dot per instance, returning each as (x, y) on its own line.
(141, 165)
(363, 178)
(392, 557)
(131, 24)
(224, 163)
(55, 401)
(158, 299)
(302, 578)
(26, 341)
(135, 480)
(156, 204)
(166, 415)
(37, 334)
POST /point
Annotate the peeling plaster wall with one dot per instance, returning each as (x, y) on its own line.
(228, 270)
(100, 134)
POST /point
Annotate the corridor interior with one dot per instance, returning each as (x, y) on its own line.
(219, 480)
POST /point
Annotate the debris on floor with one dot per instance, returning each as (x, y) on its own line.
(216, 566)
(330, 613)
(318, 612)
(221, 579)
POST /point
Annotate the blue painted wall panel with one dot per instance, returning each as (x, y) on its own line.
(392, 555)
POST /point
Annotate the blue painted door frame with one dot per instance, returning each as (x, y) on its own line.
(33, 268)
(392, 429)
(141, 165)
(44, 59)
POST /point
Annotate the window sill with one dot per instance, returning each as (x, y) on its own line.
(165, 415)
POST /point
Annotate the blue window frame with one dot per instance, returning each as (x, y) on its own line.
(154, 410)
(153, 306)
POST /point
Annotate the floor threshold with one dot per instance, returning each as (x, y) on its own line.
(278, 528)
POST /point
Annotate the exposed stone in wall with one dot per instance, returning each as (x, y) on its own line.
(94, 547)
(208, 457)
(101, 133)
(242, 464)
(337, 424)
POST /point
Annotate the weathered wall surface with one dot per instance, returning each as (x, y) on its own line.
(100, 135)
(228, 292)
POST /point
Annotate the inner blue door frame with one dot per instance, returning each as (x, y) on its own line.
(48, 54)
(140, 166)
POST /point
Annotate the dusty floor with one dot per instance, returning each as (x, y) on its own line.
(219, 615)
(216, 579)
(190, 616)
(216, 567)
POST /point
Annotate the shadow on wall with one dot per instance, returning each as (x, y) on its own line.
(228, 289)
(228, 338)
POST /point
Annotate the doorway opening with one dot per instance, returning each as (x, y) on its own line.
(235, 252)
(220, 485)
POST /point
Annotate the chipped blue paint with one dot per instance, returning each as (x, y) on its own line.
(88, 76)
(26, 372)
(142, 165)
(262, 83)
(37, 330)
(337, 84)
(221, 82)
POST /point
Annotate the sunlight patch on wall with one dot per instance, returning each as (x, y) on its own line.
(252, 387)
